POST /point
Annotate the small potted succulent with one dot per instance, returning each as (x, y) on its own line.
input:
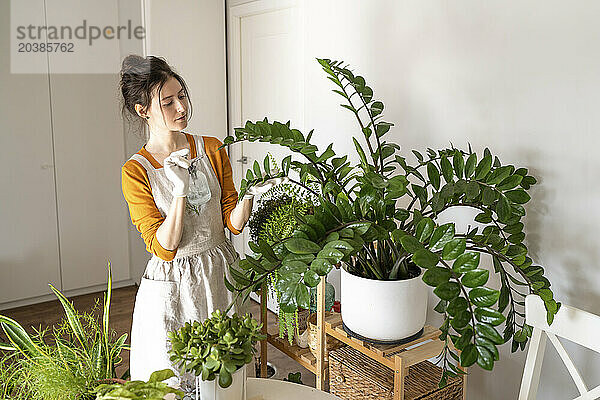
(217, 351)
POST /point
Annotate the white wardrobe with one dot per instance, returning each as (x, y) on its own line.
(63, 143)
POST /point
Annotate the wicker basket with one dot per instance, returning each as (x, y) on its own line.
(330, 342)
(352, 375)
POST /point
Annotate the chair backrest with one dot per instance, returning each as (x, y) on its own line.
(570, 323)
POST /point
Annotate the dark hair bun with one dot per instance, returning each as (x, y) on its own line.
(140, 76)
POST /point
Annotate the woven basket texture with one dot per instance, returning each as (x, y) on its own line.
(354, 376)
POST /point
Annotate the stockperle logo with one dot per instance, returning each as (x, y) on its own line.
(83, 31)
(73, 36)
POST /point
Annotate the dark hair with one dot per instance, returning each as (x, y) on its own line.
(139, 78)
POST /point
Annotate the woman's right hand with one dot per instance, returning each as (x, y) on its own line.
(176, 170)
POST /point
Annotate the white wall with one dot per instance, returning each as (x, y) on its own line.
(522, 77)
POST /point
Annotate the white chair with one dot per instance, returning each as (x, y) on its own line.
(570, 323)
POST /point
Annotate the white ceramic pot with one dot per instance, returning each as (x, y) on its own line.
(210, 390)
(383, 310)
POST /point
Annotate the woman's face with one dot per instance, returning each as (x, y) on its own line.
(172, 104)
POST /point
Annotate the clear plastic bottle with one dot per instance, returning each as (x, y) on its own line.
(199, 191)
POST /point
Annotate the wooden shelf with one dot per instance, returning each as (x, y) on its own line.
(396, 357)
(412, 352)
(302, 356)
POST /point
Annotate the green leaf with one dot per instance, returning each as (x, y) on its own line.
(341, 245)
(484, 217)
(499, 174)
(459, 163)
(457, 305)
(424, 229)
(485, 358)
(302, 296)
(333, 255)
(447, 291)
(454, 248)
(436, 276)
(442, 235)
(301, 246)
(471, 190)
(162, 375)
(503, 208)
(321, 266)
(311, 278)
(483, 296)
(73, 320)
(361, 153)
(470, 165)
(425, 258)
(441, 306)
(466, 262)
(488, 196)
(447, 170)
(489, 316)
(293, 267)
(410, 243)
(510, 182)
(488, 344)
(518, 196)
(475, 278)
(489, 332)
(434, 175)
(461, 320)
(469, 355)
(483, 167)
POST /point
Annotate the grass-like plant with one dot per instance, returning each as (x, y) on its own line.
(66, 361)
(219, 346)
(379, 218)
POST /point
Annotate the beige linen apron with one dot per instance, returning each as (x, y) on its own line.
(191, 286)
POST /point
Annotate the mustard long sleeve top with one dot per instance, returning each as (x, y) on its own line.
(143, 210)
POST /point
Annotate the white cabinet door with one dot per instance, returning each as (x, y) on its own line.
(89, 151)
(28, 237)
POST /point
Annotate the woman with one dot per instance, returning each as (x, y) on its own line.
(180, 214)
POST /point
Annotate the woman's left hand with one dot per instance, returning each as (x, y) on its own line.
(264, 187)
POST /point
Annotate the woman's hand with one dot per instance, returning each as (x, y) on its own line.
(264, 187)
(241, 213)
(176, 170)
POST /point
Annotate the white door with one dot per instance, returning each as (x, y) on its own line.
(266, 78)
(28, 237)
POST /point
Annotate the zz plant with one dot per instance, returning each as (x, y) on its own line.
(379, 217)
(219, 346)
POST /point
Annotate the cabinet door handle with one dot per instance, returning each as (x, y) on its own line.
(47, 166)
(243, 160)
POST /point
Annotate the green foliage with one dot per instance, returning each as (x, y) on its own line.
(357, 220)
(154, 389)
(63, 362)
(219, 346)
(295, 377)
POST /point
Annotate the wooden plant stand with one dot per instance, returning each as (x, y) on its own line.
(398, 358)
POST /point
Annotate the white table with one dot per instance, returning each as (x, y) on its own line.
(271, 389)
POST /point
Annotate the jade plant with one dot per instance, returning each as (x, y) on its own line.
(217, 347)
(379, 217)
(153, 389)
(67, 360)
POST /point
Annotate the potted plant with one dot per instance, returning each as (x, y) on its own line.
(68, 360)
(217, 351)
(153, 389)
(379, 219)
